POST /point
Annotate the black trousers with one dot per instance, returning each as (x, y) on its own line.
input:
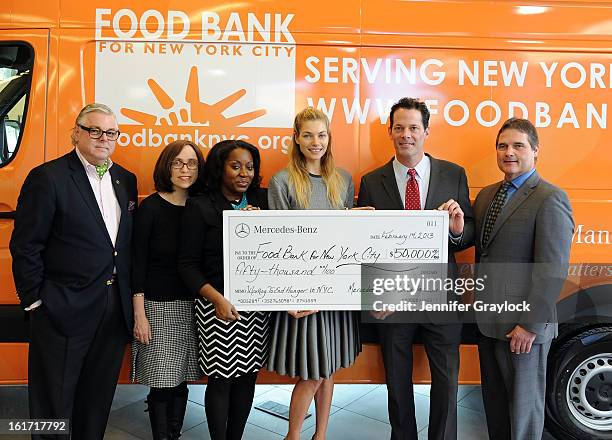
(74, 377)
(442, 347)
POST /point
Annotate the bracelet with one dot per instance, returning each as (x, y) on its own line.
(138, 294)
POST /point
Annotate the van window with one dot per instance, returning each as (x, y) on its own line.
(16, 60)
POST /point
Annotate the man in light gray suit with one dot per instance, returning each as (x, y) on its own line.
(413, 180)
(524, 230)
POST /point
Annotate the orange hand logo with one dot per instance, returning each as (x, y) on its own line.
(199, 113)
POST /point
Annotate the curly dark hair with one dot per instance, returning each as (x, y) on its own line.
(215, 164)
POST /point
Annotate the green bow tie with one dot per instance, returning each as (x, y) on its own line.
(101, 169)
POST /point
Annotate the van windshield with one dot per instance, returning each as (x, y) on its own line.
(15, 78)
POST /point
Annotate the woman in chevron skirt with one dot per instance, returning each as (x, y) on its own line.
(164, 351)
(232, 347)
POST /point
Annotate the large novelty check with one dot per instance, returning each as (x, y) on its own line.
(312, 260)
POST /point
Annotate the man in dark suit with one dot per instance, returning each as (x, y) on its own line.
(71, 265)
(524, 230)
(415, 180)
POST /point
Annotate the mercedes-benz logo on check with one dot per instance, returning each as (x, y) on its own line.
(242, 230)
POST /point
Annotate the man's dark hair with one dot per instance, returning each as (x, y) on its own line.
(524, 126)
(162, 173)
(215, 165)
(411, 104)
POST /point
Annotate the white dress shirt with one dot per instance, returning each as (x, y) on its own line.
(105, 196)
(423, 171)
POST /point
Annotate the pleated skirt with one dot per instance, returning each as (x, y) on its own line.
(315, 346)
(172, 355)
(231, 349)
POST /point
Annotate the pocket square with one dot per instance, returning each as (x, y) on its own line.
(131, 205)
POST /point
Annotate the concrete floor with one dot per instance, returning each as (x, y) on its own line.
(358, 412)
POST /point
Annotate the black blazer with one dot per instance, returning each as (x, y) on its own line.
(446, 181)
(62, 253)
(201, 249)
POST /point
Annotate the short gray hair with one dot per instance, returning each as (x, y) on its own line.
(90, 108)
(94, 107)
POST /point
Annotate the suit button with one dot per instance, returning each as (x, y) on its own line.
(115, 253)
(109, 282)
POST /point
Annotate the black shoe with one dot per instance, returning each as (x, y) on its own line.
(176, 411)
(158, 415)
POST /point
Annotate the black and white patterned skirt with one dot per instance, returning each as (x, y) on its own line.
(231, 349)
(171, 356)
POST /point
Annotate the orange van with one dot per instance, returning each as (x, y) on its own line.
(212, 70)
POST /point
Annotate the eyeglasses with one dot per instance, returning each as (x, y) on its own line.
(178, 164)
(96, 133)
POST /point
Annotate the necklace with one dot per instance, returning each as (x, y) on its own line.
(240, 204)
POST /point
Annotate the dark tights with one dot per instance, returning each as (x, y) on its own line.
(228, 404)
(167, 411)
(165, 394)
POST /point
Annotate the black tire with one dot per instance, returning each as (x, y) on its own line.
(579, 388)
(568, 331)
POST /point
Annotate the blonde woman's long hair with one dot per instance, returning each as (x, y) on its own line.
(298, 174)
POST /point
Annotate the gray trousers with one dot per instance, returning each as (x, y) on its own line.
(513, 389)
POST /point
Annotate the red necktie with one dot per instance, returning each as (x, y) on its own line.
(412, 200)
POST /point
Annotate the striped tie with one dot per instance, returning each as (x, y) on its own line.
(496, 207)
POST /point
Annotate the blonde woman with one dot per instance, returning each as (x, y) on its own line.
(312, 345)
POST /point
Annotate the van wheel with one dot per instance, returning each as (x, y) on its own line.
(579, 396)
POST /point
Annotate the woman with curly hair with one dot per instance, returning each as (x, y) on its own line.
(233, 346)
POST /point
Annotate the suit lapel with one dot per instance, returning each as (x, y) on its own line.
(487, 199)
(517, 200)
(122, 197)
(390, 185)
(434, 180)
(84, 187)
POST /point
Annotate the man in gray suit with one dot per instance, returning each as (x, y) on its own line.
(415, 180)
(524, 229)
